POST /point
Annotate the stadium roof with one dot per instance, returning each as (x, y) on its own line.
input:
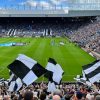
(49, 8)
(50, 4)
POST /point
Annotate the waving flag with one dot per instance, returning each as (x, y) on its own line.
(54, 74)
(15, 83)
(92, 71)
(27, 69)
(55, 70)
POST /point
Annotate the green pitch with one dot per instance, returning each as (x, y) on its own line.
(69, 56)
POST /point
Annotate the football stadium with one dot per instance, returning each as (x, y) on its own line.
(50, 49)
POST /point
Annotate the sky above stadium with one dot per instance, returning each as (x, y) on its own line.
(33, 3)
(42, 3)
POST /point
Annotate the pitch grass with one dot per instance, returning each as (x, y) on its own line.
(69, 56)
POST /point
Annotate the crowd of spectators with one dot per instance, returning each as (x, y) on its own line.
(85, 32)
(88, 36)
(64, 91)
(34, 27)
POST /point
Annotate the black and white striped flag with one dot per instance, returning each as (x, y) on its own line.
(92, 71)
(82, 79)
(15, 83)
(27, 69)
(54, 70)
(54, 74)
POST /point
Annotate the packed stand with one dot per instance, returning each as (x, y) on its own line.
(88, 36)
(65, 91)
(84, 31)
(38, 27)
